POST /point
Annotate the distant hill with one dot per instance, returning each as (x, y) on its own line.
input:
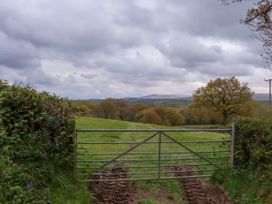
(260, 97)
(165, 96)
(188, 97)
(178, 100)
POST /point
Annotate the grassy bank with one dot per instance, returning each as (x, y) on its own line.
(246, 186)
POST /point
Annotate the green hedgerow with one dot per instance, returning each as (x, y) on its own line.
(36, 138)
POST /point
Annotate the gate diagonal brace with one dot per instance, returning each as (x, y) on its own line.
(190, 150)
(129, 150)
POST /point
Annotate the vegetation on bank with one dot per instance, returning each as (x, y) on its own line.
(246, 186)
(250, 180)
(36, 141)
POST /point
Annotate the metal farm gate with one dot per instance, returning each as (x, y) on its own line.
(151, 154)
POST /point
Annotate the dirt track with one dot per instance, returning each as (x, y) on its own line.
(112, 192)
(122, 192)
(196, 192)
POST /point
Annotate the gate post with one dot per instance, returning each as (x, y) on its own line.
(75, 158)
(159, 157)
(232, 144)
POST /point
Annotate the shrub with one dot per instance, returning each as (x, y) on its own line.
(136, 108)
(83, 108)
(244, 186)
(170, 116)
(149, 115)
(253, 143)
(106, 109)
(36, 138)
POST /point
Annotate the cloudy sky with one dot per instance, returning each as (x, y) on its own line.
(122, 48)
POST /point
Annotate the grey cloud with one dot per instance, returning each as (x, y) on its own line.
(123, 47)
(17, 54)
(186, 51)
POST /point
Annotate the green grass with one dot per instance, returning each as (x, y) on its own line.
(246, 186)
(155, 188)
(63, 190)
(152, 187)
(149, 201)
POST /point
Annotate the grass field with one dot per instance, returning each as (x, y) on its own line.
(154, 188)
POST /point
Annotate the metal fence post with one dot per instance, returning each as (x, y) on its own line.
(232, 144)
(159, 157)
(75, 158)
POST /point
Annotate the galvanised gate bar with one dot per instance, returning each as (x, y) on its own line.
(151, 154)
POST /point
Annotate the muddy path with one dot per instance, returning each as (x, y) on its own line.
(111, 191)
(107, 190)
(198, 192)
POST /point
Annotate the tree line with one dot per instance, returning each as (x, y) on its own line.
(122, 110)
(219, 102)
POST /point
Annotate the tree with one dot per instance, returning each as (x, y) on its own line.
(170, 116)
(259, 21)
(196, 114)
(3, 85)
(123, 110)
(149, 115)
(258, 18)
(106, 109)
(83, 108)
(136, 108)
(226, 97)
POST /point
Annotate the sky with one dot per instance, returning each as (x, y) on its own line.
(126, 48)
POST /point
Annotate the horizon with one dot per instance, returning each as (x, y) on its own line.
(164, 96)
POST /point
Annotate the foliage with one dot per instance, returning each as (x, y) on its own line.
(250, 180)
(253, 143)
(261, 109)
(83, 108)
(139, 112)
(3, 85)
(258, 18)
(62, 190)
(244, 185)
(196, 114)
(170, 116)
(227, 97)
(123, 110)
(136, 108)
(106, 109)
(149, 115)
(163, 116)
(36, 138)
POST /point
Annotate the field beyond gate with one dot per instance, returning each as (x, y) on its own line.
(151, 154)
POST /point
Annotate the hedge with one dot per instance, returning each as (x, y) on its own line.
(253, 143)
(36, 138)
